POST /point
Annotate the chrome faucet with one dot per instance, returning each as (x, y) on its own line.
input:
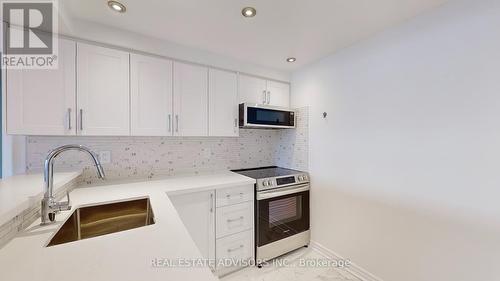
(50, 207)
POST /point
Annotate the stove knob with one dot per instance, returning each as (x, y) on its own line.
(264, 183)
(301, 178)
(271, 183)
(305, 177)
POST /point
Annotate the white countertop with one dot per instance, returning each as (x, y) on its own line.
(123, 256)
(18, 193)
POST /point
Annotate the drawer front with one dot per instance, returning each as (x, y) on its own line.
(234, 252)
(234, 195)
(235, 218)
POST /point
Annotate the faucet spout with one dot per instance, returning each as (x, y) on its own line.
(49, 206)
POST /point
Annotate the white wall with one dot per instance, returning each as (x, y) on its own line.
(406, 168)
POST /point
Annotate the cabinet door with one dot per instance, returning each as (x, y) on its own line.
(151, 96)
(223, 101)
(252, 89)
(278, 94)
(233, 219)
(103, 91)
(190, 100)
(197, 212)
(42, 102)
(238, 248)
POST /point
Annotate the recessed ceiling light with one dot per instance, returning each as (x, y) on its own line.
(291, 59)
(117, 6)
(249, 12)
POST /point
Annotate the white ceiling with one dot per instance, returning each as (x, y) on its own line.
(306, 29)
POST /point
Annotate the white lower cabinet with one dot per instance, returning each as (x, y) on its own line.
(234, 219)
(235, 251)
(234, 228)
(223, 234)
(234, 195)
(198, 215)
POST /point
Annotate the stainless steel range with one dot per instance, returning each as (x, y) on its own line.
(281, 211)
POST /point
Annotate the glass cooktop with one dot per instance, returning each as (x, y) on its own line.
(266, 172)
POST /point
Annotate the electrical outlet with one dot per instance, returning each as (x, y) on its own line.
(104, 157)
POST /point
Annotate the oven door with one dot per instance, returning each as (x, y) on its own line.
(281, 213)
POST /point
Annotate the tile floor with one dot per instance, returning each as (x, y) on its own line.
(294, 271)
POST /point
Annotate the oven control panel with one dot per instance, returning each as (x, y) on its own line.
(286, 180)
(270, 183)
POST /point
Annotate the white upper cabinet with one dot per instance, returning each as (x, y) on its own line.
(99, 91)
(278, 94)
(252, 89)
(103, 91)
(260, 91)
(42, 102)
(151, 96)
(190, 100)
(223, 102)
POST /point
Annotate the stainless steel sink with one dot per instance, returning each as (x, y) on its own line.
(91, 221)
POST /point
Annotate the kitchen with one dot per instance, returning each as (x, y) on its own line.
(156, 148)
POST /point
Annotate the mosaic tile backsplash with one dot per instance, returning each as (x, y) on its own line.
(147, 157)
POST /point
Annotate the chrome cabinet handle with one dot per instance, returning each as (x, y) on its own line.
(233, 220)
(81, 119)
(177, 123)
(265, 96)
(170, 123)
(235, 249)
(211, 202)
(69, 118)
(240, 194)
(268, 97)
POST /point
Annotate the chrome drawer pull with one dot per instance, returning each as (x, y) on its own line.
(229, 195)
(170, 123)
(81, 119)
(238, 219)
(69, 118)
(235, 249)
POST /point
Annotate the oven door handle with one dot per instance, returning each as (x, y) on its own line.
(282, 191)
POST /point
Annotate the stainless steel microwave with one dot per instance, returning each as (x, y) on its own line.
(265, 116)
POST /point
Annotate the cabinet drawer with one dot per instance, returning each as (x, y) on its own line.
(233, 219)
(234, 251)
(234, 195)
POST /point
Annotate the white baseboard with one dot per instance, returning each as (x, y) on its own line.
(354, 269)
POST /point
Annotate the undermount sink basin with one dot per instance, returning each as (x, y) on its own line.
(96, 220)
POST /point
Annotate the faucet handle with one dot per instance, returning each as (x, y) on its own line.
(62, 206)
(66, 205)
(67, 197)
